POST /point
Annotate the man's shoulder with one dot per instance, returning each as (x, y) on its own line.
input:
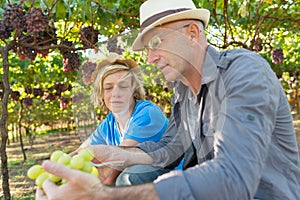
(240, 58)
(241, 53)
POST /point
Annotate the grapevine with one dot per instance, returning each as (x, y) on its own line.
(277, 56)
(89, 36)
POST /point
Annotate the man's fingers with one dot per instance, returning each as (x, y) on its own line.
(40, 195)
(49, 187)
(74, 176)
(57, 169)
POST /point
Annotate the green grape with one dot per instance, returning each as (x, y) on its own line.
(56, 155)
(64, 159)
(64, 181)
(77, 162)
(41, 179)
(34, 171)
(54, 179)
(94, 171)
(87, 167)
(87, 154)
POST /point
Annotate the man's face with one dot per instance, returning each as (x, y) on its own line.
(167, 47)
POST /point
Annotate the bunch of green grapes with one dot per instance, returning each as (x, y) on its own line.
(81, 161)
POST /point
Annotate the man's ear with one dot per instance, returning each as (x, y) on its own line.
(194, 31)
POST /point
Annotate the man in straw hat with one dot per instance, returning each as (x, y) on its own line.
(231, 121)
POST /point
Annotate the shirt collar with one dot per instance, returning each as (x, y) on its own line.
(209, 73)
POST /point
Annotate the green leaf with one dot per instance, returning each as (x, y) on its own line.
(61, 10)
(49, 2)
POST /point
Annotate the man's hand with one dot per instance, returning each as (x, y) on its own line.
(131, 155)
(108, 175)
(80, 185)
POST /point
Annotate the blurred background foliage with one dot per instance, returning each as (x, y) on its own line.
(45, 44)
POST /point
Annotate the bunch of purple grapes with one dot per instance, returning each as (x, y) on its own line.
(50, 97)
(87, 70)
(59, 88)
(15, 95)
(257, 44)
(15, 16)
(5, 31)
(64, 102)
(89, 36)
(112, 45)
(277, 56)
(36, 21)
(71, 60)
(38, 92)
(28, 101)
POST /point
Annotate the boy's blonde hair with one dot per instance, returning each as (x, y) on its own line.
(112, 64)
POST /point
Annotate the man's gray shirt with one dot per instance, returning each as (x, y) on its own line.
(249, 149)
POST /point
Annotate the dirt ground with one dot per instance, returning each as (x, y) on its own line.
(22, 187)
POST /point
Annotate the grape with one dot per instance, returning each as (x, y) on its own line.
(64, 102)
(41, 179)
(277, 56)
(89, 36)
(15, 95)
(35, 171)
(112, 45)
(15, 16)
(71, 61)
(64, 159)
(87, 167)
(60, 87)
(94, 171)
(38, 92)
(54, 179)
(81, 162)
(256, 44)
(5, 31)
(50, 97)
(28, 101)
(87, 154)
(36, 21)
(56, 155)
(77, 162)
(28, 90)
(87, 70)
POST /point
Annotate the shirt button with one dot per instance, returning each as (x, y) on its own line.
(250, 117)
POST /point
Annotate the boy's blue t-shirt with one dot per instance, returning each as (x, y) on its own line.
(147, 123)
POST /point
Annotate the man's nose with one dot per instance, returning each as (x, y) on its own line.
(152, 56)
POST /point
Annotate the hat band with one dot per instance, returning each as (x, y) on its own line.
(156, 17)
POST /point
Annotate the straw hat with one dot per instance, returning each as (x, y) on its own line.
(157, 12)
